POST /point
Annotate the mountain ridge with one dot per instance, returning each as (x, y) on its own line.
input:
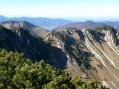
(35, 31)
(91, 53)
(89, 25)
(82, 25)
(88, 53)
(46, 23)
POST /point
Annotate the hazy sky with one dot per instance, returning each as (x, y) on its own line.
(69, 9)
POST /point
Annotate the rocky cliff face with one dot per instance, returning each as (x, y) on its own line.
(34, 48)
(20, 40)
(90, 53)
(85, 53)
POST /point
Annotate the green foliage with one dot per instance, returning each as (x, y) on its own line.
(17, 72)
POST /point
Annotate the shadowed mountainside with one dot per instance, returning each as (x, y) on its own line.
(86, 53)
(34, 30)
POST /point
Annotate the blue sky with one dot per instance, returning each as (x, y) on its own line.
(79, 10)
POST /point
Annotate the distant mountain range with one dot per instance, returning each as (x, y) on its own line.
(58, 24)
(88, 24)
(46, 23)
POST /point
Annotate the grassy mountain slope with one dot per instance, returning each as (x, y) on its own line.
(90, 53)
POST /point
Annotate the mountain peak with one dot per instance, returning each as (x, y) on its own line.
(33, 29)
(2, 16)
(89, 21)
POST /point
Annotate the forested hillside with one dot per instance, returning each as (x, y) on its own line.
(17, 72)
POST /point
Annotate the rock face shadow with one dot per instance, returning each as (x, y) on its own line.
(33, 48)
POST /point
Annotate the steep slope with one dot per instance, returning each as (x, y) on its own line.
(90, 53)
(20, 40)
(105, 50)
(85, 53)
(34, 48)
(34, 30)
(46, 23)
